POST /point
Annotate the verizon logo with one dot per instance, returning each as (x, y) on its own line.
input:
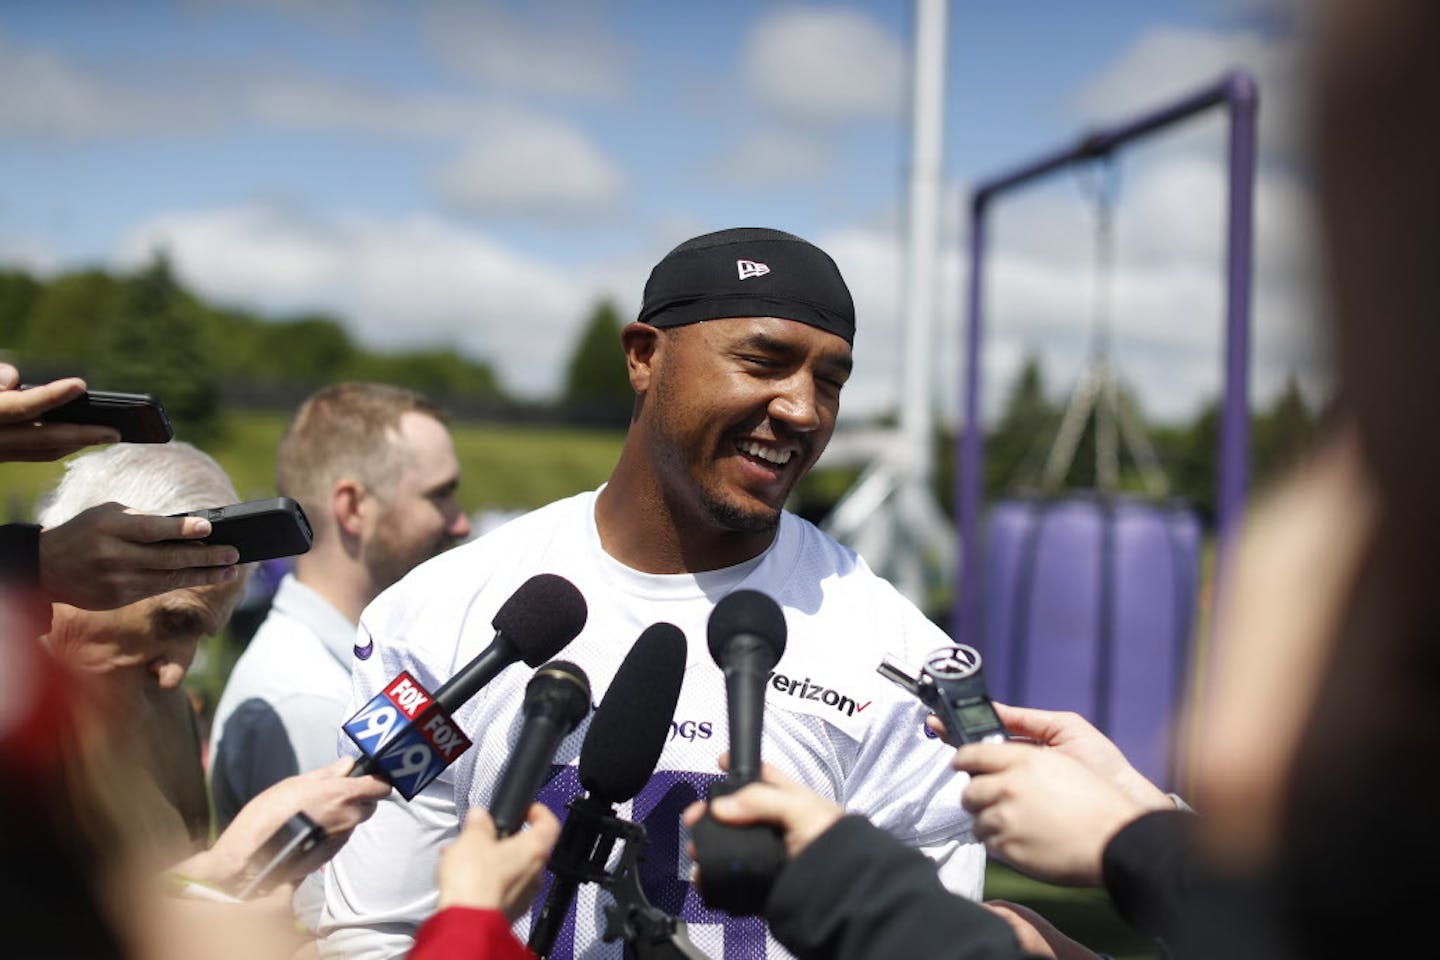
(805, 690)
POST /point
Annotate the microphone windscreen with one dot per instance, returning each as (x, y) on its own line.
(541, 617)
(749, 612)
(631, 725)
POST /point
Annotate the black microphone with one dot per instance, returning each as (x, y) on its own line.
(536, 623)
(738, 865)
(620, 751)
(538, 620)
(746, 633)
(557, 698)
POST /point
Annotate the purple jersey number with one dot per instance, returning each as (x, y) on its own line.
(658, 807)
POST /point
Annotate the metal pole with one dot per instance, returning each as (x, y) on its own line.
(913, 495)
(1235, 424)
(916, 416)
(964, 622)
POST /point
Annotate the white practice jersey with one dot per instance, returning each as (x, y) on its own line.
(830, 720)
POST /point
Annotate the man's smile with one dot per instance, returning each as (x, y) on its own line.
(770, 454)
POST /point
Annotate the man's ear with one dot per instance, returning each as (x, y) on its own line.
(641, 343)
(345, 500)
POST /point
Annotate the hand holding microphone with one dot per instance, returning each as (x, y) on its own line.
(484, 872)
(800, 813)
(738, 865)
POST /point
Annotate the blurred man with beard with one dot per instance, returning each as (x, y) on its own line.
(375, 470)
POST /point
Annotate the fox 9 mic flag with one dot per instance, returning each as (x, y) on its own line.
(405, 736)
(538, 619)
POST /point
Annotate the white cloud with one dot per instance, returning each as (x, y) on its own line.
(772, 157)
(313, 102)
(405, 282)
(1165, 63)
(870, 260)
(824, 65)
(27, 253)
(557, 49)
(531, 167)
(43, 93)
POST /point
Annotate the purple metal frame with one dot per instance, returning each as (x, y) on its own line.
(1238, 91)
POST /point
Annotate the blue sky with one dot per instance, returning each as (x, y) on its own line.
(478, 174)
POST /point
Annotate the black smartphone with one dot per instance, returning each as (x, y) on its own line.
(259, 529)
(296, 837)
(139, 417)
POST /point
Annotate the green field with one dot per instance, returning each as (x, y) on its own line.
(1083, 914)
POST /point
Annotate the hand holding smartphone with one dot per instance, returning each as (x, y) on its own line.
(286, 847)
(259, 529)
(139, 417)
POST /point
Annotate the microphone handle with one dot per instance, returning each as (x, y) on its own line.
(455, 692)
(552, 916)
(522, 776)
(589, 834)
(366, 766)
(745, 678)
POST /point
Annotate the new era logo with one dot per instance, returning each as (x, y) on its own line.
(749, 268)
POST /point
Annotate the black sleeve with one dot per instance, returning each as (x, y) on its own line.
(29, 608)
(20, 554)
(1148, 872)
(857, 893)
(1161, 887)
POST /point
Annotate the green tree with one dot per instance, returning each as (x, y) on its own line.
(312, 348)
(436, 373)
(1016, 447)
(154, 343)
(68, 322)
(1281, 433)
(595, 373)
(19, 293)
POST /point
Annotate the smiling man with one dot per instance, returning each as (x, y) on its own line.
(738, 359)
